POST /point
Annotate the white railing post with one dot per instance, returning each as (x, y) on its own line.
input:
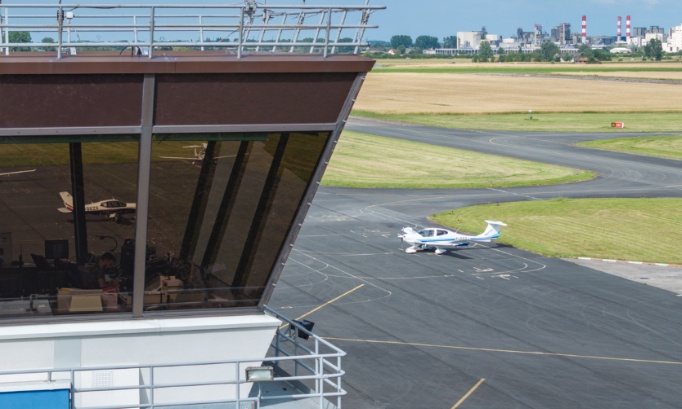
(152, 11)
(2, 30)
(241, 33)
(136, 39)
(201, 32)
(327, 32)
(60, 22)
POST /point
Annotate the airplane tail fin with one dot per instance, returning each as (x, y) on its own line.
(491, 232)
(68, 201)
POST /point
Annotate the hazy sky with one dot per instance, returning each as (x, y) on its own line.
(441, 18)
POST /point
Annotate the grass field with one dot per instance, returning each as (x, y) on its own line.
(455, 93)
(562, 97)
(372, 161)
(624, 229)
(495, 96)
(660, 146)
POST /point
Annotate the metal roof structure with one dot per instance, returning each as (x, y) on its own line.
(247, 28)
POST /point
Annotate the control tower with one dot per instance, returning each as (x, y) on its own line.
(159, 162)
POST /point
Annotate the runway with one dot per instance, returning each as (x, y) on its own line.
(489, 326)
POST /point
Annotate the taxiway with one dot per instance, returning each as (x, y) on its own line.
(489, 326)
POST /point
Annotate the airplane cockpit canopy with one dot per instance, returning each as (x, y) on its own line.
(426, 233)
(113, 203)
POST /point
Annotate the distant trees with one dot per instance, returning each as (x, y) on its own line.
(520, 57)
(450, 42)
(342, 49)
(594, 56)
(20, 37)
(426, 42)
(485, 52)
(602, 55)
(549, 51)
(48, 40)
(404, 46)
(398, 40)
(379, 43)
(654, 50)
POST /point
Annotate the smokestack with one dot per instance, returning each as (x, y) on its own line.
(627, 28)
(618, 33)
(584, 29)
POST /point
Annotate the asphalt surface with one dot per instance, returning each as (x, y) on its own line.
(488, 326)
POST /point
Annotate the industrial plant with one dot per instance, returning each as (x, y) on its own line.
(468, 42)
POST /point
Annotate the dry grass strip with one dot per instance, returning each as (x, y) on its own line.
(425, 93)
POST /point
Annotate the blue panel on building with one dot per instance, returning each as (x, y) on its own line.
(52, 399)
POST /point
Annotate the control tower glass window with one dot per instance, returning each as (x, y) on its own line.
(220, 209)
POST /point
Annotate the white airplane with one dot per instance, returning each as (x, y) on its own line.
(111, 208)
(17, 172)
(443, 240)
(199, 155)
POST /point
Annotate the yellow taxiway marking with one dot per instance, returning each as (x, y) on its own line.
(329, 302)
(510, 351)
(465, 397)
(326, 304)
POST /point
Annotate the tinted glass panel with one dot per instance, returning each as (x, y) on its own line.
(220, 215)
(45, 269)
(221, 208)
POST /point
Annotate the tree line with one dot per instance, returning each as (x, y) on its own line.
(423, 42)
(548, 52)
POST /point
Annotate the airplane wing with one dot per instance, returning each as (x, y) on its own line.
(17, 172)
(64, 210)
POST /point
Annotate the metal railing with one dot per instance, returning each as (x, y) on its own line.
(311, 370)
(248, 28)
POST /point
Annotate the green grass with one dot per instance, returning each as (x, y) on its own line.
(369, 161)
(623, 229)
(543, 122)
(660, 146)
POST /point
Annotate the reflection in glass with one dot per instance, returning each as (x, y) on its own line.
(45, 270)
(221, 208)
(236, 207)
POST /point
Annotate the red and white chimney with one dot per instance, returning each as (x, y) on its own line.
(627, 29)
(618, 32)
(584, 29)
